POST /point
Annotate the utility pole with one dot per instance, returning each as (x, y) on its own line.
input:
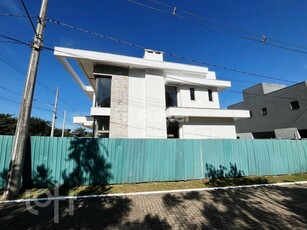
(54, 111)
(63, 126)
(22, 128)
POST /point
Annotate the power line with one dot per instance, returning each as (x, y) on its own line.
(15, 15)
(263, 39)
(93, 33)
(11, 91)
(206, 19)
(166, 53)
(15, 67)
(192, 60)
(191, 20)
(11, 64)
(22, 72)
(68, 104)
(15, 40)
(170, 54)
(227, 26)
(29, 17)
(9, 42)
(15, 102)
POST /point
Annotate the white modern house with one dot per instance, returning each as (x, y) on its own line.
(150, 98)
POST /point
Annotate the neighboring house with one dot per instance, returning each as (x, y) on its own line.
(150, 98)
(276, 111)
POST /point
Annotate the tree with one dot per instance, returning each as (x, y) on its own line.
(7, 124)
(38, 126)
(80, 132)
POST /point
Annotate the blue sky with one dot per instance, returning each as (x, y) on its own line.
(285, 20)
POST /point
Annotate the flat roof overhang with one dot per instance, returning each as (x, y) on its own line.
(197, 81)
(174, 72)
(126, 61)
(199, 112)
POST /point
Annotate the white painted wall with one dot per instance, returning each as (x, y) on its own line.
(201, 98)
(155, 105)
(205, 131)
(208, 128)
(136, 104)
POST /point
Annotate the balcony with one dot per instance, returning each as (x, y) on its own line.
(100, 111)
(84, 121)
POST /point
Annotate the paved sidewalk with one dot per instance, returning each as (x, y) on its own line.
(282, 207)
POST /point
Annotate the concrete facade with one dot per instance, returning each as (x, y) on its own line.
(138, 107)
(273, 114)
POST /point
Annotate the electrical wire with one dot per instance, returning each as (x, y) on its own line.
(29, 17)
(15, 102)
(34, 99)
(138, 46)
(227, 26)
(128, 43)
(15, 40)
(16, 15)
(19, 70)
(263, 39)
(168, 54)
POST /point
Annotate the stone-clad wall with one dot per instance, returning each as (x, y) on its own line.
(119, 99)
(119, 107)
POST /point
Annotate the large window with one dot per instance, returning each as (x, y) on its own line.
(171, 96)
(103, 91)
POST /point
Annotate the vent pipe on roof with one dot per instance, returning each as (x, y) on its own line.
(153, 55)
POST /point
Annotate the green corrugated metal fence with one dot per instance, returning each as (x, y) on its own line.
(78, 161)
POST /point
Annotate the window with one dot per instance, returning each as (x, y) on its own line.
(171, 96)
(172, 129)
(192, 94)
(294, 105)
(102, 126)
(103, 123)
(264, 112)
(103, 91)
(210, 95)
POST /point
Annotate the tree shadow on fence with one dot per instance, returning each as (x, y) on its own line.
(42, 177)
(3, 178)
(90, 165)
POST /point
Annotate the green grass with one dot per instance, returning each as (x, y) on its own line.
(158, 186)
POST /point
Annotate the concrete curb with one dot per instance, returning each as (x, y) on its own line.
(149, 193)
